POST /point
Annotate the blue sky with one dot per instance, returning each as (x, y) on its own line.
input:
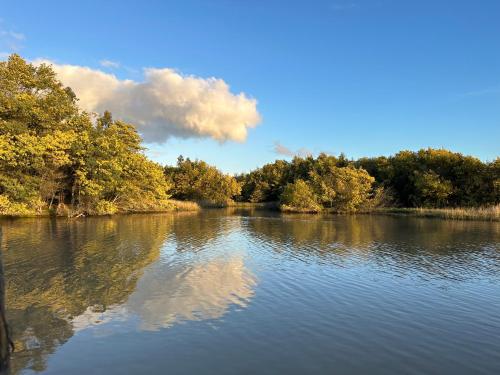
(361, 77)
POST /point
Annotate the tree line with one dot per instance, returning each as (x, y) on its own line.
(56, 158)
(433, 178)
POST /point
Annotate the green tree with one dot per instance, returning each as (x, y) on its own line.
(267, 183)
(344, 188)
(431, 190)
(51, 153)
(113, 174)
(38, 124)
(197, 180)
(299, 196)
(409, 175)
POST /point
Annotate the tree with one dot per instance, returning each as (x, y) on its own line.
(52, 154)
(344, 188)
(113, 173)
(431, 190)
(197, 180)
(467, 181)
(299, 196)
(267, 183)
(38, 117)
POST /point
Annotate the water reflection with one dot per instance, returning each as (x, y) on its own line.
(437, 248)
(196, 292)
(150, 272)
(57, 270)
(65, 276)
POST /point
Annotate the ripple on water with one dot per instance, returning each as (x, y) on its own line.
(220, 293)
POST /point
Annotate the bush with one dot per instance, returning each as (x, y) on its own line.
(431, 190)
(105, 208)
(299, 197)
(4, 203)
(14, 208)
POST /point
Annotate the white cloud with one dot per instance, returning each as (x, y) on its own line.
(166, 103)
(282, 150)
(285, 151)
(109, 64)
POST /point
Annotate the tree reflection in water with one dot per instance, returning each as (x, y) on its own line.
(410, 244)
(65, 276)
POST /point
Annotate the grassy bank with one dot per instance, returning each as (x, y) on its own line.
(491, 213)
(66, 211)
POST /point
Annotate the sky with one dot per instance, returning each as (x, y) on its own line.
(242, 83)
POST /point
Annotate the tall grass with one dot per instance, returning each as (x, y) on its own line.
(491, 213)
(184, 205)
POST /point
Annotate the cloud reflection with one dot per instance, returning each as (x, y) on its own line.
(191, 292)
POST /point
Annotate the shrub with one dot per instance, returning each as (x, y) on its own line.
(105, 208)
(299, 197)
(14, 208)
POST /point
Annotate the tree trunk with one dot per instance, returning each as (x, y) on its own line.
(52, 200)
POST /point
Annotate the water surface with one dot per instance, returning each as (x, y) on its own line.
(222, 292)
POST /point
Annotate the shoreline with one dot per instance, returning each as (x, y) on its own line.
(460, 213)
(491, 214)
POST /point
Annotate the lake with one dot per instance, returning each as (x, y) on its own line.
(253, 292)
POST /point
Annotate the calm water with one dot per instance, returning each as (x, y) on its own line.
(253, 293)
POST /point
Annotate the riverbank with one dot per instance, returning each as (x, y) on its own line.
(491, 213)
(171, 205)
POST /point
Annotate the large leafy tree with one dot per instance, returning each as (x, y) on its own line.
(266, 183)
(39, 121)
(299, 196)
(342, 188)
(111, 171)
(197, 180)
(51, 153)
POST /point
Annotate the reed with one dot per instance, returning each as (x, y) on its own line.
(184, 205)
(491, 213)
